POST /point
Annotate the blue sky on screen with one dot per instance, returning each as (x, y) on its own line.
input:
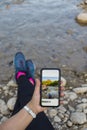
(50, 78)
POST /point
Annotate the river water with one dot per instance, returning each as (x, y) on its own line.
(45, 31)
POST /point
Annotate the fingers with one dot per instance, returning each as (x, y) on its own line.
(62, 88)
(61, 102)
(62, 94)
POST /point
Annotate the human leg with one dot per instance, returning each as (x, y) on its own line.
(25, 92)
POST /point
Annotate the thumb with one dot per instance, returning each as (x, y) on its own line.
(37, 87)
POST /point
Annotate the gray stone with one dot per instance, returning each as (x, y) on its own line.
(11, 103)
(84, 129)
(3, 119)
(78, 117)
(84, 100)
(11, 83)
(81, 106)
(80, 90)
(61, 115)
(57, 119)
(5, 88)
(62, 109)
(69, 123)
(71, 109)
(53, 112)
(85, 110)
(3, 108)
(71, 95)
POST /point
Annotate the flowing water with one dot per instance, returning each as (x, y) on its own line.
(45, 31)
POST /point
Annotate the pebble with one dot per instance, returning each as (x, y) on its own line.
(61, 115)
(3, 108)
(11, 83)
(81, 106)
(62, 109)
(84, 100)
(82, 18)
(11, 103)
(80, 90)
(53, 112)
(85, 111)
(4, 119)
(71, 109)
(71, 95)
(69, 123)
(57, 119)
(5, 88)
(78, 118)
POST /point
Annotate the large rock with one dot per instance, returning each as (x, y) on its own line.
(3, 108)
(82, 18)
(11, 103)
(78, 118)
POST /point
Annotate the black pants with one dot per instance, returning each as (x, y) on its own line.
(25, 92)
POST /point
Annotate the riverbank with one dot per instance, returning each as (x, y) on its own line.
(71, 116)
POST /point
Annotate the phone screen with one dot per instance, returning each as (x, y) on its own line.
(50, 87)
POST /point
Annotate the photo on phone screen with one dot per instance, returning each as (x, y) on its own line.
(50, 87)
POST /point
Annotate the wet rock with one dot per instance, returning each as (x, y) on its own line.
(11, 103)
(78, 118)
(82, 18)
(3, 108)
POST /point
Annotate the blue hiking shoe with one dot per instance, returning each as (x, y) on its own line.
(19, 62)
(30, 68)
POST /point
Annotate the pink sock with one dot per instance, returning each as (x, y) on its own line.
(20, 74)
(31, 80)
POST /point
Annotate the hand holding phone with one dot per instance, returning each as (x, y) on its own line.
(50, 87)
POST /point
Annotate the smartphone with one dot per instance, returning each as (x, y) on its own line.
(50, 87)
